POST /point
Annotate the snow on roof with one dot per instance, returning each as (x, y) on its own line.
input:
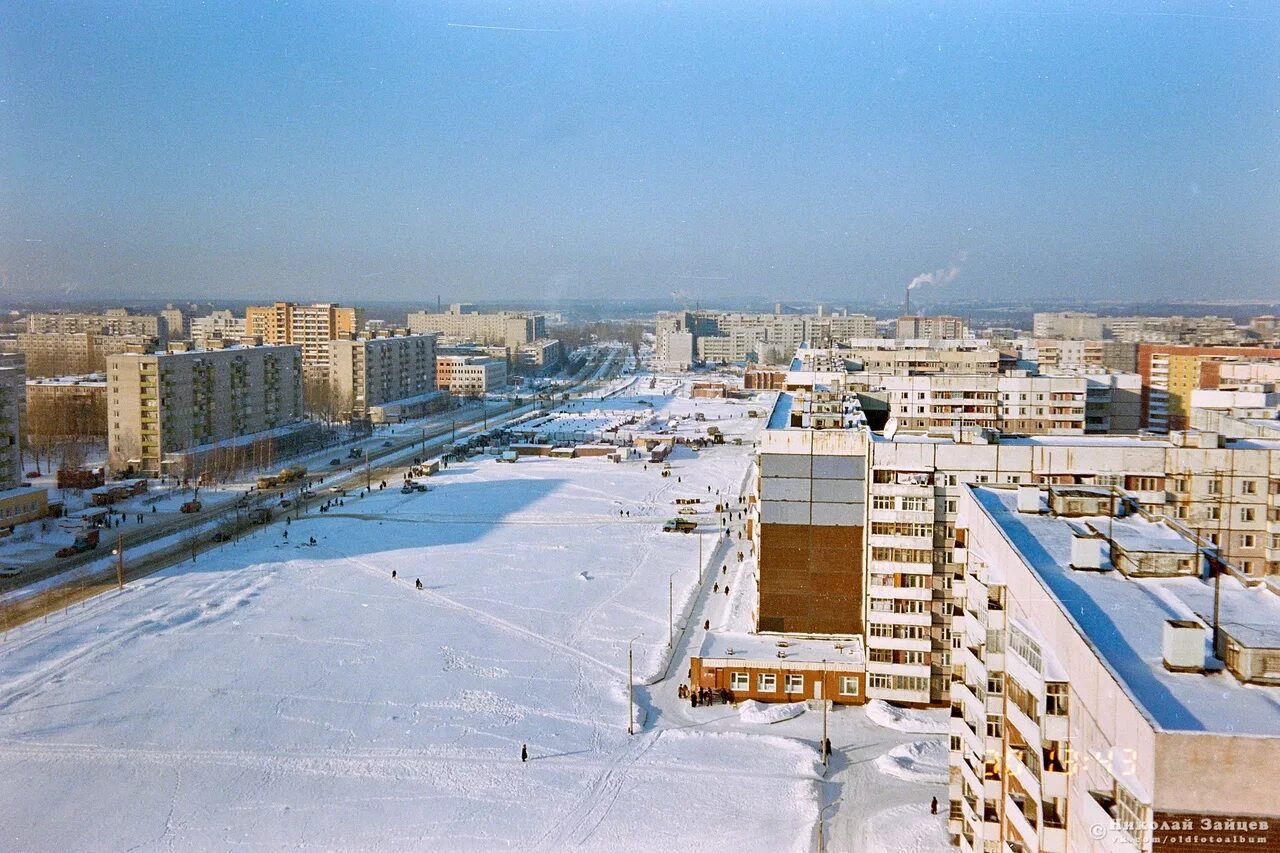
(846, 651)
(1122, 619)
(1138, 534)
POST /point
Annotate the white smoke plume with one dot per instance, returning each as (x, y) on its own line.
(939, 276)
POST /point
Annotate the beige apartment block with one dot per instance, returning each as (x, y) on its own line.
(77, 353)
(114, 321)
(1116, 688)
(379, 371)
(503, 328)
(176, 403)
(310, 327)
(67, 407)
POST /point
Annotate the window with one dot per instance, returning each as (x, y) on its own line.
(882, 502)
(848, 685)
(995, 727)
(739, 681)
(878, 681)
(1248, 513)
(1055, 698)
(1249, 487)
(767, 682)
(1246, 541)
(795, 683)
(995, 683)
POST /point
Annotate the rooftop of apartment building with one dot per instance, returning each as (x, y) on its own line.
(983, 435)
(786, 648)
(1123, 615)
(89, 379)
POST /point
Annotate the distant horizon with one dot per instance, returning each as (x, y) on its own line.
(701, 152)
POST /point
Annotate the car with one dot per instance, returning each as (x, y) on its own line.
(335, 461)
(33, 473)
(406, 489)
(221, 536)
(10, 572)
(386, 443)
(285, 503)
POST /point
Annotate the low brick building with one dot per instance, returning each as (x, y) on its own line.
(781, 668)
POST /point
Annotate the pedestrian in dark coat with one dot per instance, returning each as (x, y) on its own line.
(933, 806)
(418, 582)
(393, 574)
(524, 752)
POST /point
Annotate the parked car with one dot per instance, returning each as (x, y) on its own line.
(33, 473)
(191, 506)
(335, 461)
(285, 503)
(10, 572)
(386, 443)
(222, 536)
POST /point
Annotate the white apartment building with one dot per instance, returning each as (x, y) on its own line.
(910, 485)
(1049, 405)
(502, 328)
(113, 321)
(180, 402)
(217, 325)
(470, 375)
(378, 371)
(1068, 325)
(1104, 699)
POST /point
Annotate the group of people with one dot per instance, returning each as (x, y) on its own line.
(702, 695)
(332, 502)
(417, 582)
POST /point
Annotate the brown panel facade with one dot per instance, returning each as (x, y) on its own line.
(811, 579)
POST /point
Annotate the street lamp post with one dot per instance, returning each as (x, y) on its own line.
(826, 757)
(631, 703)
(120, 561)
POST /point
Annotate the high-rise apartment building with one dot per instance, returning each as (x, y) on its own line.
(1171, 373)
(1068, 325)
(13, 387)
(76, 353)
(219, 325)
(372, 372)
(1115, 687)
(310, 327)
(113, 321)
(940, 327)
(175, 403)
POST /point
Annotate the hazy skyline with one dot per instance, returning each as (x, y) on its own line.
(550, 150)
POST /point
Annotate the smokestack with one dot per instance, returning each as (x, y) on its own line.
(907, 312)
(438, 303)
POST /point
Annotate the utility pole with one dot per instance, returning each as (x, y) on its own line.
(368, 483)
(120, 561)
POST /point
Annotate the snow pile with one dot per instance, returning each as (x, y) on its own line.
(906, 829)
(907, 719)
(919, 761)
(752, 711)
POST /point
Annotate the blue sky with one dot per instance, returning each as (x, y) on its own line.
(790, 150)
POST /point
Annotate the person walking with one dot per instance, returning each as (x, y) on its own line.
(524, 754)
(418, 583)
(933, 806)
(393, 574)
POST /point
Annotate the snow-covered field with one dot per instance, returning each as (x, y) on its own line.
(277, 694)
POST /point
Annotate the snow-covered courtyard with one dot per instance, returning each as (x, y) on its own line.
(275, 694)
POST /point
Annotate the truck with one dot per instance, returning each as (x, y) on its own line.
(191, 506)
(86, 541)
(679, 524)
(261, 515)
